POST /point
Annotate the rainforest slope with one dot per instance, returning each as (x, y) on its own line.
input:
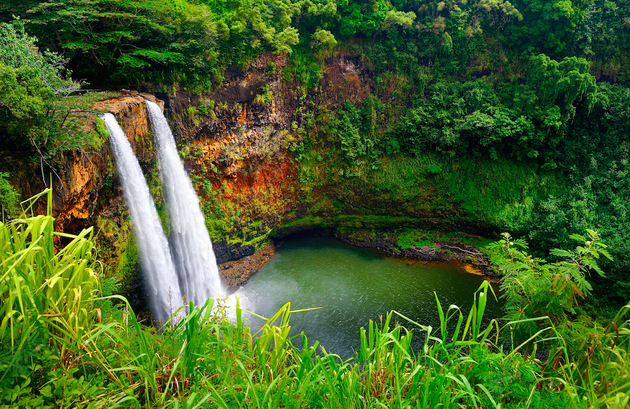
(474, 117)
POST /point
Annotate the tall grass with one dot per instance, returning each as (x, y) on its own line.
(44, 288)
(207, 360)
(71, 357)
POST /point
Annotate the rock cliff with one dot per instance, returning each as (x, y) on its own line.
(79, 181)
(260, 154)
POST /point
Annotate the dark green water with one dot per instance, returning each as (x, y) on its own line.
(352, 286)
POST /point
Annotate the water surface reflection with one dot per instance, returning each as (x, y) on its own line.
(353, 285)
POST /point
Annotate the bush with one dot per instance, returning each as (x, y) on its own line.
(534, 288)
(36, 113)
(9, 197)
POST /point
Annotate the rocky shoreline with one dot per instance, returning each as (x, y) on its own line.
(387, 243)
(237, 272)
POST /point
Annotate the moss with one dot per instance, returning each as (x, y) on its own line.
(101, 129)
(128, 265)
(405, 242)
(497, 193)
(257, 241)
(356, 222)
(408, 238)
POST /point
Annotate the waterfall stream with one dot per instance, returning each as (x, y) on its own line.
(155, 258)
(190, 242)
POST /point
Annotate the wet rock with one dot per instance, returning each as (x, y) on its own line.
(79, 179)
(387, 243)
(236, 273)
(225, 251)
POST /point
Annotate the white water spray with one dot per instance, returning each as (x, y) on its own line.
(190, 242)
(155, 258)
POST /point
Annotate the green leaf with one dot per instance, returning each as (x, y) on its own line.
(561, 253)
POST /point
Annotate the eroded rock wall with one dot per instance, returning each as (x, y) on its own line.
(78, 183)
(243, 145)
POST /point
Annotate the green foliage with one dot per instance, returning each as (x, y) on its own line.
(9, 197)
(494, 192)
(595, 161)
(398, 19)
(348, 129)
(283, 41)
(48, 304)
(194, 42)
(206, 108)
(406, 241)
(181, 41)
(599, 354)
(539, 296)
(265, 97)
(101, 129)
(469, 17)
(35, 114)
(354, 131)
(474, 118)
(63, 284)
(604, 39)
(454, 118)
(118, 37)
(128, 268)
(19, 50)
(553, 94)
(364, 17)
(547, 25)
(324, 39)
(304, 67)
(535, 288)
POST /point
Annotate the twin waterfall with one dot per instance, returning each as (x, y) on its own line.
(190, 243)
(186, 270)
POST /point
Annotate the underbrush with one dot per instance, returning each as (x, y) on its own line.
(66, 343)
(499, 193)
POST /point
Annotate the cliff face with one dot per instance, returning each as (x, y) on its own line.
(260, 154)
(85, 173)
(78, 183)
(262, 157)
(241, 139)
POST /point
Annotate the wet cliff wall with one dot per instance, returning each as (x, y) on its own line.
(267, 155)
(79, 180)
(263, 153)
(85, 190)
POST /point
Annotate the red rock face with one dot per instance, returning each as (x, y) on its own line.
(78, 183)
(242, 146)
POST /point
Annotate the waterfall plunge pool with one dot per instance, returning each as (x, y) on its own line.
(353, 285)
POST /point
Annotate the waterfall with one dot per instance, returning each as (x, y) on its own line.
(190, 242)
(155, 258)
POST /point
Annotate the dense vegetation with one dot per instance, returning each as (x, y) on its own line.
(468, 80)
(65, 344)
(37, 116)
(526, 98)
(464, 80)
(194, 41)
